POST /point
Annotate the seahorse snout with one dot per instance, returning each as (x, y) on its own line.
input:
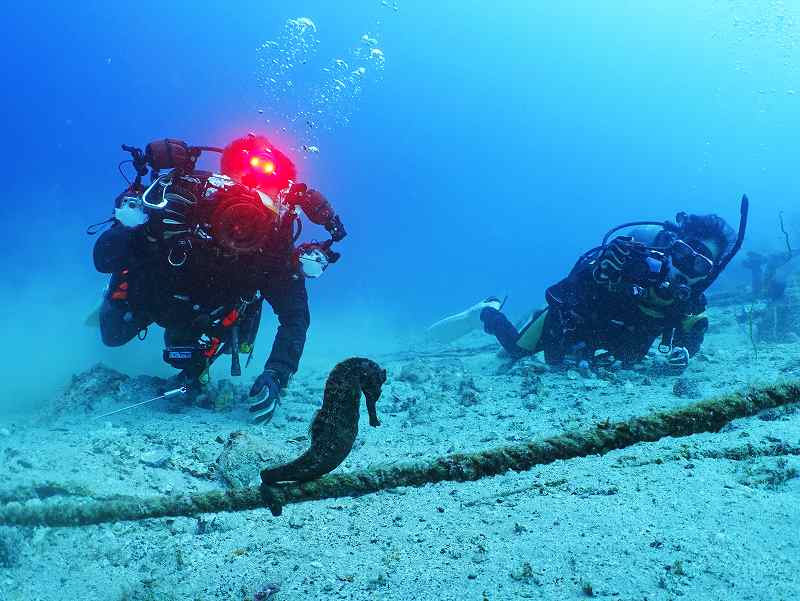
(371, 383)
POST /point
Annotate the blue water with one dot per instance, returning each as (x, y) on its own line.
(499, 141)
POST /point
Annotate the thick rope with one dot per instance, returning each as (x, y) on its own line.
(705, 416)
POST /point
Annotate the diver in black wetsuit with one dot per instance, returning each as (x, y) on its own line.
(198, 252)
(624, 294)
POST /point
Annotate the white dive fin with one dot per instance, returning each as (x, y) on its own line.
(458, 325)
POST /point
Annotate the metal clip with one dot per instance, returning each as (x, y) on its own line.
(665, 346)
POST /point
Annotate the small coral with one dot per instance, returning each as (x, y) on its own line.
(414, 372)
(223, 396)
(468, 392)
(89, 388)
(768, 474)
(11, 542)
(686, 388)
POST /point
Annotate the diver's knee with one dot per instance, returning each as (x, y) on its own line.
(114, 337)
(117, 326)
(299, 319)
(304, 317)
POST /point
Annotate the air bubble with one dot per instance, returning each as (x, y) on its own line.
(300, 89)
(304, 23)
(377, 55)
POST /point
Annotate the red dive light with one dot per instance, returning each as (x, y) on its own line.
(263, 165)
(253, 161)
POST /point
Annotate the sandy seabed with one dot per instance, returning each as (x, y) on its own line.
(711, 516)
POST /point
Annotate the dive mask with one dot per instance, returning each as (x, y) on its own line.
(691, 259)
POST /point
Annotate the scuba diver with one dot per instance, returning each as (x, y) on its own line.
(622, 295)
(198, 253)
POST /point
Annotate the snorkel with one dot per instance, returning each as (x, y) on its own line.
(744, 209)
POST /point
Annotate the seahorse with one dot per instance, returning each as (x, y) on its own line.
(335, 425)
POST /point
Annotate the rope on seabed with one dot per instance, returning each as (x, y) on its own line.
(704, 416)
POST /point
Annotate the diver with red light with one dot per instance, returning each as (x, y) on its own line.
(198, 253)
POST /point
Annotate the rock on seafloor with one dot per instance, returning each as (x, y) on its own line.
(244, 456)
(156, 457)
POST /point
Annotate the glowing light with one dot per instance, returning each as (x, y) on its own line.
(266, 165)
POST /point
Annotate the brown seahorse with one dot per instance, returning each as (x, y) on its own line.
(335, 426)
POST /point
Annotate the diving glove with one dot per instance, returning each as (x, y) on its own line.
(266, 390)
